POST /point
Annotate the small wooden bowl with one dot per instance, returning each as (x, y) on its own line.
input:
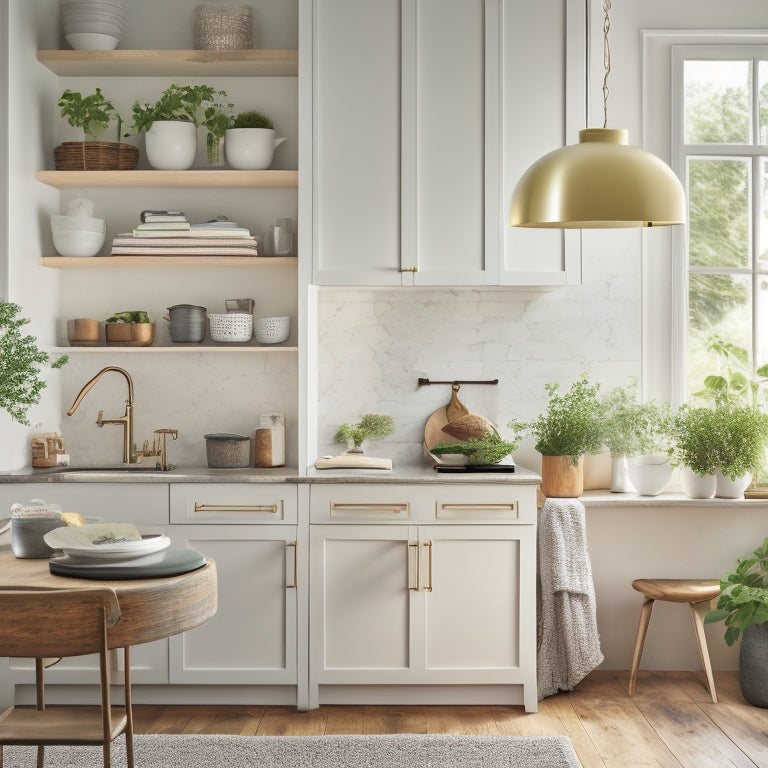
(83, 332)
(130, 334)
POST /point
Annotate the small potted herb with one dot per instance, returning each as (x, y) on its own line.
(171, 123)
(370, 427)
(570, 427)
(250, 142)
(694, 450)
(21, 364)
(743, 606)
(93, 114)
(638, 432)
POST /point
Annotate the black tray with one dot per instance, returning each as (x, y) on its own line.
(169, 562)
(475, 468)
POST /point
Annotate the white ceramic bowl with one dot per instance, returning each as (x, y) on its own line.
(76, 243)
(92, 41)
(231, 326)
(271, 330)
(96, 27)
(77, 224)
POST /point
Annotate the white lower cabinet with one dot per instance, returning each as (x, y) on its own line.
(145, 504)
(251, 532)
(405, 611)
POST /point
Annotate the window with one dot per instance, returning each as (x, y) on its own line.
(720, 121)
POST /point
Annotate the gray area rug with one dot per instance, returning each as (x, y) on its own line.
(392, 751)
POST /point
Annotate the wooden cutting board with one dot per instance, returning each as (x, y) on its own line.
(433, 429)
(456, 409)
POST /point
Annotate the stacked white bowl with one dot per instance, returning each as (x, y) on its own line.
(77, 235)
(93, 25)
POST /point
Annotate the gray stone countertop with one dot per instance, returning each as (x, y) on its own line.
(405, 474)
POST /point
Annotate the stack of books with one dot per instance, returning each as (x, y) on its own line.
(169, 233)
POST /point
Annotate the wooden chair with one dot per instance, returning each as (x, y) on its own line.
(43, 623)
(698, 594)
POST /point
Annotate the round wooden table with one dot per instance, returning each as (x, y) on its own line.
(150, 609)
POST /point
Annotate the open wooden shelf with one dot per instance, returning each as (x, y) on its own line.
(151, 63)
(205, 178)
(207, 347)
(66, 262)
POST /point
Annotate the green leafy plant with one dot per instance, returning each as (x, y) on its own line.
(491, 448)
(129, 317)
(198, 104)
(694, 443)
(733, 381)
(21, 362)
(573, 423)
(252, 120)
(92, 113)
(744, 597)
(370, 427)
(740, 434)
(632, 428)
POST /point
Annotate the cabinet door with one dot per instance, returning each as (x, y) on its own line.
(364, 588)
(479, 602)
(356, 61)
(252, 637)
(141, 503)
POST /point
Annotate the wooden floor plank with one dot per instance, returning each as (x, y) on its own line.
(670, 722)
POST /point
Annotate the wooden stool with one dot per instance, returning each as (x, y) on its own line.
(698, 594)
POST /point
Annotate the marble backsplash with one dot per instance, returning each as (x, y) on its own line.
(374, 344)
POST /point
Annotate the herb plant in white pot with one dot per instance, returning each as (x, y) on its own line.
(694, 450)
(636, 435)
(250, 142)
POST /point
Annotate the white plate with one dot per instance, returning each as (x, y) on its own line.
(137, 561)
(73, 541)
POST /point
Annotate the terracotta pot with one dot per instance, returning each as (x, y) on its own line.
(561, 478)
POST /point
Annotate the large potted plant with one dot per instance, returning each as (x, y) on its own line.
(170, 124)
(21, 364)
(694, 450)
(743, 606)
(250, 142)
(93, 114)
(638, 432)
(571, 426)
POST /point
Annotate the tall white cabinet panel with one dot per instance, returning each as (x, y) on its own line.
(252, 637)
(357, 137)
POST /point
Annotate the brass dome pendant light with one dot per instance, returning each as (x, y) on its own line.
(599, 183)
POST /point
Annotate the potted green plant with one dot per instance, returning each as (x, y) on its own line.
(743, 606)
(694, 449)
(372, 426)
(93, 114)
(491, 448)
(571, 426)
(250, 142)
(638, 432)
(171, 123)
(21, 364)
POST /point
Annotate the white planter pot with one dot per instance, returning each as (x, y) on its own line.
(171, 145)
(250, 149)
(649, 474)
(697, 486)
(731, 489)
(619, 476)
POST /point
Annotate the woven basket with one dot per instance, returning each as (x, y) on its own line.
(95, 156)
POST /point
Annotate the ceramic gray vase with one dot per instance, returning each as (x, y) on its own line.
(753, 665)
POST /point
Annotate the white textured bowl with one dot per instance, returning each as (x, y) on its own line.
(271, 330)
(231, 326)
(95, 27)
(77, 224)
(92, 41)
(76, 243)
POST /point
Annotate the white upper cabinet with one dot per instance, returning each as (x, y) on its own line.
(426, 113)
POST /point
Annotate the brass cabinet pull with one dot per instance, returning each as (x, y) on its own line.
(410, 587)
(295, 546)
(270, 508)
(428, 544)
(393, 508)
(409, 269)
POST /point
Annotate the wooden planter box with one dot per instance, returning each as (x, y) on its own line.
(95, 156)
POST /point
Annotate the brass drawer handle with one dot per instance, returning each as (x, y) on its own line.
(295, 546)
(409, 269)
(395, 509)
(261, 508)
(428, 544)
(484, 507)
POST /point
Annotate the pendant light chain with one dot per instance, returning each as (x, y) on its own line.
(606, 59)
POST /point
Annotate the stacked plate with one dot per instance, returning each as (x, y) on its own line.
(93, 25)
